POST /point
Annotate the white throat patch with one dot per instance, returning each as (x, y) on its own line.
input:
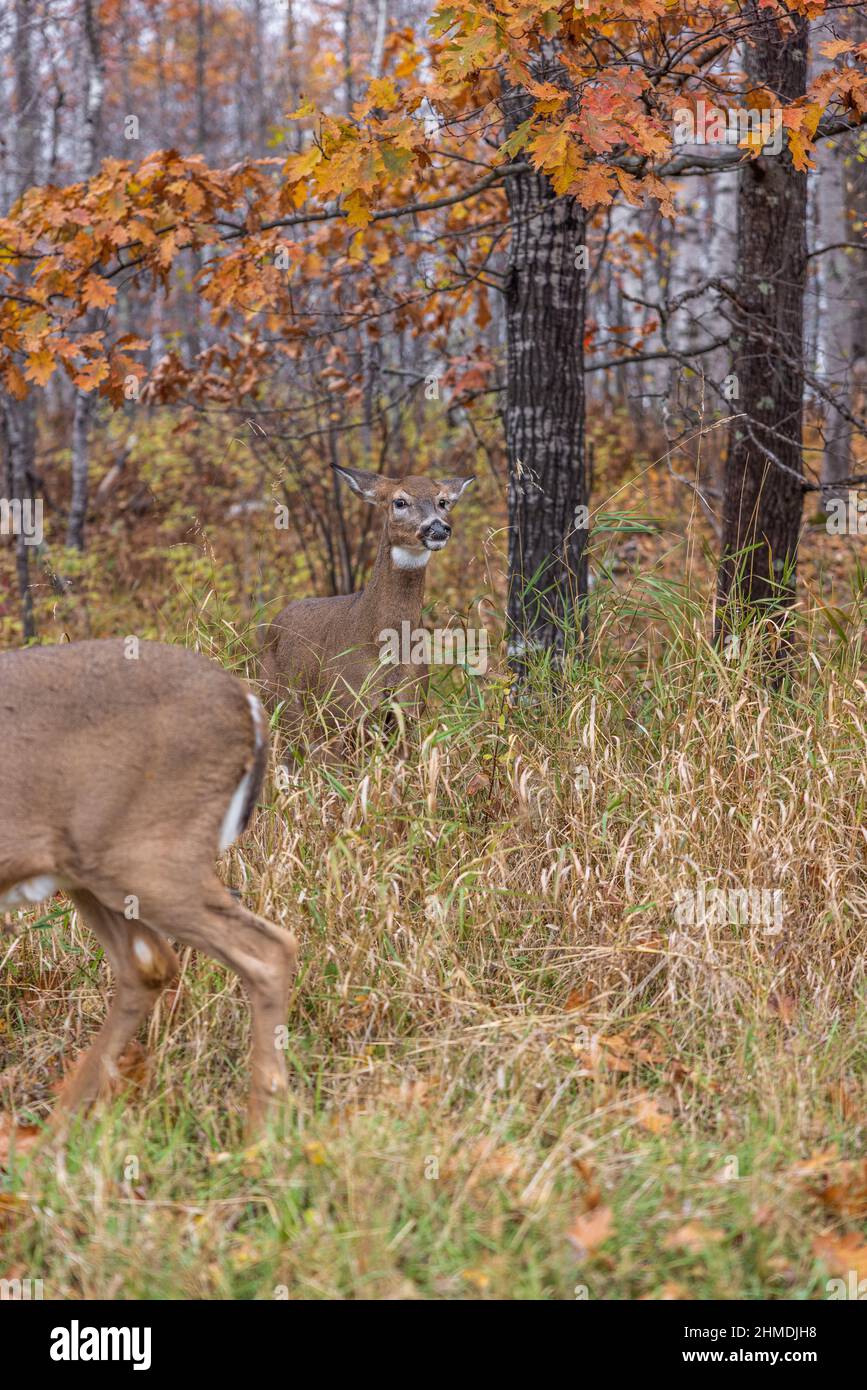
(406, 557)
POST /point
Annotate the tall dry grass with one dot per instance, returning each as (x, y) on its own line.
(518, 1072)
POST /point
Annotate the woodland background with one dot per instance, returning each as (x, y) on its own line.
(242, 242)
(186, 349)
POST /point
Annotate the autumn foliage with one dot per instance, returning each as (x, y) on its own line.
(423, 141)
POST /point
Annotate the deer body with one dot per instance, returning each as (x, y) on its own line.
(330, 648)
(124, 771)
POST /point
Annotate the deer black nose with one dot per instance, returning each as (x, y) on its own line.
(436, 530)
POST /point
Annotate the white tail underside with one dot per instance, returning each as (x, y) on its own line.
(30, 892)
(234, 817)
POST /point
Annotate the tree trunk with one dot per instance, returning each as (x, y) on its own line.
(379, 38)
(838, 323)
(94, 91)
(842, 272)
(18, 428)
(80, 469)
(293, 89)
(763, 490)
(544, 411)
(349, 88)
(15, 427)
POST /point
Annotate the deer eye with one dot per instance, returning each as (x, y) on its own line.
(443, 502)
(399, 504)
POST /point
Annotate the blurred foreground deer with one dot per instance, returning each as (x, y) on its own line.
(125, 768)
(328, 651)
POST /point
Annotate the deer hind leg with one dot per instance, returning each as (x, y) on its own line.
(264, 957)
(142, 962)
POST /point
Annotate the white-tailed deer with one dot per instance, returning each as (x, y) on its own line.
(125, 767)
(330, 648)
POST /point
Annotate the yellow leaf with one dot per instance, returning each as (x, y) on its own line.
(194, 197)
(40, 366)
(90, 376)
(97, 293)
(15, 383)
(835, 47)
(382, 93)
(298, 166)
(358, 213)
(168, 247)
(798, 144)
(812, 116)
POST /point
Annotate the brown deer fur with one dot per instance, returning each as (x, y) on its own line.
(329, 648)
(124, 769)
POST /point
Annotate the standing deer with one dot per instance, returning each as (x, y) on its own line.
(125, 767)
(329, 648)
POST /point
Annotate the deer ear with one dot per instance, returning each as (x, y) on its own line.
(454, 488)
(363, 484)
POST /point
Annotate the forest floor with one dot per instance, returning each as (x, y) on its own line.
(519, 1069)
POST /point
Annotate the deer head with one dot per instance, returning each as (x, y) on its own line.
(415, 511)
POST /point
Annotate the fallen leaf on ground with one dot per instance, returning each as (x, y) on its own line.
(667, 1293)
(133, 1064)
(844, 1189)
(578, 997)
(693, 1237)
(842, 1254)
(815, 1163)
(12, 1206)
(16, 1138)
(649, 1115)
(783, 1006)
(590, 1230)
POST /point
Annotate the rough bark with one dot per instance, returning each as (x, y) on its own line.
(18, 486)
(763, 490)
(19, 419)
(94, 91)
(379, 38)
(843, 273)
(544, 410)
(838, 325)
(349, 88)
(293, 88)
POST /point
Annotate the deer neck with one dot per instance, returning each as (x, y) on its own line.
(395, 591)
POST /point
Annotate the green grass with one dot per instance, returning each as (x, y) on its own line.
(515, 1075)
